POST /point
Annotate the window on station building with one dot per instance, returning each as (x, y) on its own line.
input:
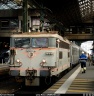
(85, 7)
(4, 24)
(8, 24)
(89, 30)
(70, 29)
(14, 23)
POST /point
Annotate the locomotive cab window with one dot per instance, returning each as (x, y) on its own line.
(22, 42)
(39, 42)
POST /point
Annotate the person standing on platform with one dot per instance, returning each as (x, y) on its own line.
(83, 60)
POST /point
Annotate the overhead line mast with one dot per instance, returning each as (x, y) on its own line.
(44, 13)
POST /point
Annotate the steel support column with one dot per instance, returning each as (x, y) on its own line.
(25, 16)
(41, 18)
(93, 27)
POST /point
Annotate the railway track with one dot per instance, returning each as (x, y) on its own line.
(41, 89)
(8, 85)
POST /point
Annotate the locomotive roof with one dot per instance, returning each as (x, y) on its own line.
(36, 34)
(42, 34)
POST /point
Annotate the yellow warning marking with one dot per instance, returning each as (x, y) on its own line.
(58, 84)
(55, 87)
(73, 91)
(84, 83)
(84, 79)
(81, 85)
(78, 85)
(62, 81)
(52, 89)
(81, 88)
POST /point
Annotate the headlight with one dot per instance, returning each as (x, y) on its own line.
(43, 62)
(18, 62)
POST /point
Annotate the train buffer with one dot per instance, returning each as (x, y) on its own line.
(75, 82)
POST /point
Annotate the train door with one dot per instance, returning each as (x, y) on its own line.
(58, 49)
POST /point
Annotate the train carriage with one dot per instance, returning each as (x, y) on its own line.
(74, 54)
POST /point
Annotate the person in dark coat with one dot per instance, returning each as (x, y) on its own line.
(83, 60)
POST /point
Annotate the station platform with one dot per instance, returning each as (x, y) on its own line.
(75, 82)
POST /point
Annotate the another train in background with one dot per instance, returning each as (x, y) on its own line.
(41, 54)
(75, 52)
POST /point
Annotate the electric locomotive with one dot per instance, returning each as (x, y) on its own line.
(39, 54)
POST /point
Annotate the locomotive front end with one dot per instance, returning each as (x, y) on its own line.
(32, 58)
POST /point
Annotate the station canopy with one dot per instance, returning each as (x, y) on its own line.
(10, 4)
(68, 12)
